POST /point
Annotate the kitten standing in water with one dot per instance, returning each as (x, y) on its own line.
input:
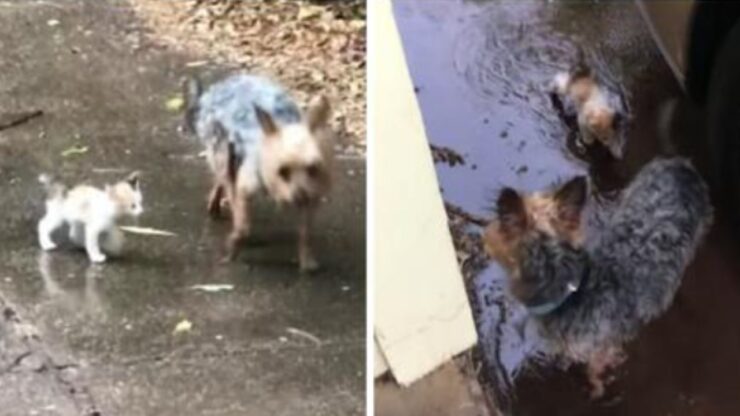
(90, 213)
(588, 300)
(257, 138)
(588, 105)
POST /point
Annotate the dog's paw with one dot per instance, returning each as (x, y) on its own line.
(597, 391)
(214, 209)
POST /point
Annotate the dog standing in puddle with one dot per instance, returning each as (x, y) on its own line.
(257, 138)
(589, 300)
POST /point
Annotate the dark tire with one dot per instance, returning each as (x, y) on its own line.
(723, 122)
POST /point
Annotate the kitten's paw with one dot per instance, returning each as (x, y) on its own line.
(308, 265)
(48, 245)
(228, 258)
(559, 83)
(99, 258)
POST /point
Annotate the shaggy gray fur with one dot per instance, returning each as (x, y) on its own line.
(632, 272)
(232, 102)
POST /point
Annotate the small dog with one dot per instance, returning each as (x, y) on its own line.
(257, 138)
(598, 113)
(90, 213)
(590, 300)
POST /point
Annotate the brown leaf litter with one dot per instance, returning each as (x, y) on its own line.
(442, 154)
(310, 46)
(465, 229)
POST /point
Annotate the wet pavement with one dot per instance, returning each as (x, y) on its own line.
(79, 339)
(480, 69)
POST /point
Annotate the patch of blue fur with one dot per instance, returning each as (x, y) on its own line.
(232, 102)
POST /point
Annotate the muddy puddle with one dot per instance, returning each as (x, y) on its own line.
(480, 71)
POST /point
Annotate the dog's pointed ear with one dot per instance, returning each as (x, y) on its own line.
(618, 120)
(319, 111)
(570, 200)
(133, 179)
(512, 215)
(266, 121)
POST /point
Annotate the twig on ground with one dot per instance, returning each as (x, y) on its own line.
(304, 334)
(21, 119)
(471, 218)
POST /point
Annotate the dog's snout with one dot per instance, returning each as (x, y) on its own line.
(302, 197)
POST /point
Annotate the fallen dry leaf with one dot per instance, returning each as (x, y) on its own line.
(175, 104)
(182, 326)
(212, 288)
(303, 334)
(75, 150)
(307, 11)
(146, 231)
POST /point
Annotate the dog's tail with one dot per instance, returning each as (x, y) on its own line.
(666, 114)
(53, 187)
(228, 147)
(192, 91)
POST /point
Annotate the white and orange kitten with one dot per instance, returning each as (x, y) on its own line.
(91, 214)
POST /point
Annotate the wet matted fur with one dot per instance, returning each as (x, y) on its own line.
(589, 300)
(600, 114)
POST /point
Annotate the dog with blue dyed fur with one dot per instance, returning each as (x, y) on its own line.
(258, 139)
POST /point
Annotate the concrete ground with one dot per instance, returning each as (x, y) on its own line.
(80, 339)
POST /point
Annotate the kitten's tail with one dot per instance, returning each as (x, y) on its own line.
(192, 91)
(53, 187)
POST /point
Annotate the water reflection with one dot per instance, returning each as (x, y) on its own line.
(86, 301)
(480, 69)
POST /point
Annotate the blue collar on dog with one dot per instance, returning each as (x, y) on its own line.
(548, 307)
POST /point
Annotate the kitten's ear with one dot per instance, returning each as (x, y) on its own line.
(266, 121)
(133, 179)
(581, 69)
(319, 111)
(570, 200)
(512, 215)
